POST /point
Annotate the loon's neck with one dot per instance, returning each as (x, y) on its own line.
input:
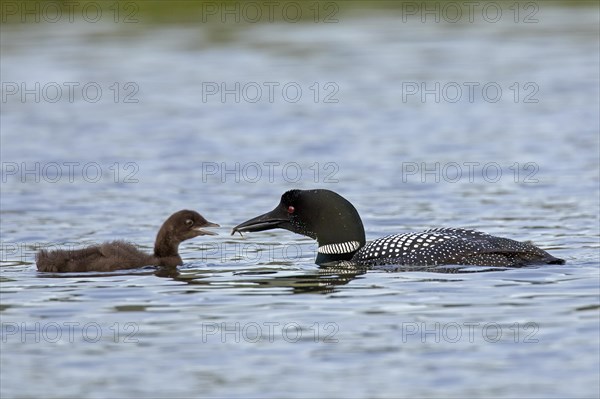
(166, 244)
(337, 251)
(338, 229)
(341, 239)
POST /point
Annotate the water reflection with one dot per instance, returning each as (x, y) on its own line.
(320, 281)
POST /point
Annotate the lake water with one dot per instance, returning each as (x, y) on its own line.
(107, 128)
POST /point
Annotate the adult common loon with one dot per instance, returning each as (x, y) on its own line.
(119, 255)
(334, 222)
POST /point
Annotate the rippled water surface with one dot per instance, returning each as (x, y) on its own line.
(253, 316)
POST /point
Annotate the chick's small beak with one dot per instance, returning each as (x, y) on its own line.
(206, 232)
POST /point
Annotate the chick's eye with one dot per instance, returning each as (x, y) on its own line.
(291, 209)
(189, 222)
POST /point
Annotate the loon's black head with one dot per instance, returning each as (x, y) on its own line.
(320, 214)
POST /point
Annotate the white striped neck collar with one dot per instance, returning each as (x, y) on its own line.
(340, 248)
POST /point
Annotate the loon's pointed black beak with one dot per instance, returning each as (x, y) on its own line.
(271, 220)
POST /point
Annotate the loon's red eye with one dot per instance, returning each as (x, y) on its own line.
(291, 209)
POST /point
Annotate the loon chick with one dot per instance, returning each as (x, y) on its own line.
(119, 255)
(334, 222)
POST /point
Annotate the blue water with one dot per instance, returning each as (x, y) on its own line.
(253, 316)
